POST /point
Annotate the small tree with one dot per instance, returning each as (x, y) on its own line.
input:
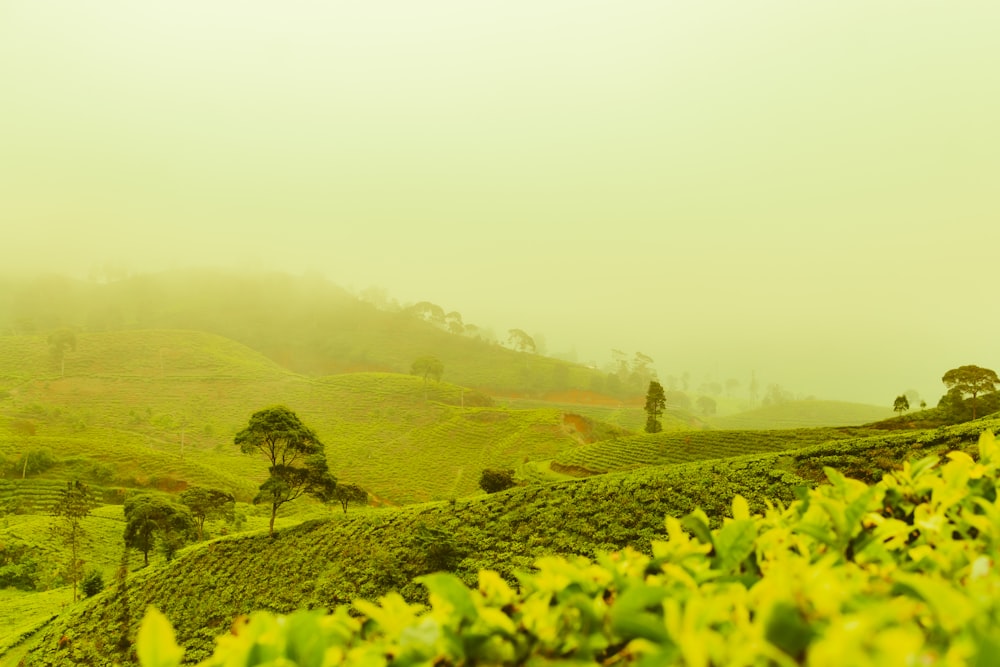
(71, 508)
(707, 405)
(295, 454)
(350, 493)
(150, 518)
(208, 504)
(971, 380)
(92, 583)
(493, 480)
(58, 342)
(521, 341)
(427, 367)
(656, 403)
(901, 404)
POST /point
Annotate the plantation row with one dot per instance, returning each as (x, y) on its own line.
(671, 448)
(325, 563)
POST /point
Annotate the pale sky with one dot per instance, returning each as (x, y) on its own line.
(804, 189)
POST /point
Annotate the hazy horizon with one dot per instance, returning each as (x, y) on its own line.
(801, 190)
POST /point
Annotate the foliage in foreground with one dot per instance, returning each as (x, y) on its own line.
(898, 573)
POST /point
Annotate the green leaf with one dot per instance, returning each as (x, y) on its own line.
(733, 543)
(741, 510)
(787, 630)
(448, 590)
(156, 644)
(631, 616)
(988, 449)
(697, 523)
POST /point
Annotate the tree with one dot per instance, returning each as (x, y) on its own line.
(520, 341)
(971, 380)
(208, 504)
(150, 519)
(707, 405)
(350, 493)
(296, 458)
(901, 404)
(71, 508)
(656, 403)
(494, 480)
(59, 340)
(427, 367)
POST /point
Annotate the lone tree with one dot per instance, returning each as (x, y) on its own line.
(208, 504)
(297, 461)
(971, 380)
(427, 367)
(656, 402)
(521, 341)
(150, 519)
(350, 493)
(71, 508)
(901, 404)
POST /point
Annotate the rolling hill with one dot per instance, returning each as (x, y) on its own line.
(329, 562)
(160, 408)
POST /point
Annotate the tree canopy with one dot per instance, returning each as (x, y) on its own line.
(428, 367)
(150, 519)
(296, 456)
(901, 404)
(971, 380)
(208, 504)
(350, 493)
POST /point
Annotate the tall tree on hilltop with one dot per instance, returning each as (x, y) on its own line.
(656, 402)
(521, 341)
(901, 404)
(971, 380)
(296, 456)
(150, 519)
(208, 504)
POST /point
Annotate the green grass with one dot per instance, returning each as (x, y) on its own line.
(803, 414)
(324, 563)
(650, 449)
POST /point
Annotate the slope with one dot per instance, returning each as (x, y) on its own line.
(160, 408)
(324, 563)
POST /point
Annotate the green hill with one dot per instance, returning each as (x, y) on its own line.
(160, 408)
(324, 563)
(305, 324)
(803, 414)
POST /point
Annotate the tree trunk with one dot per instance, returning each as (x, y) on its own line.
(270, 529)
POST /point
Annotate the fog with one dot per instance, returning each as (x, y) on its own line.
(807, 191)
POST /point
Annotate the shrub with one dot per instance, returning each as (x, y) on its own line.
(92, 583)
(494, 480)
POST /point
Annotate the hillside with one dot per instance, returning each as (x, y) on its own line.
(323, 563)
(160, 408)
(653, 449)
(803, 414)
(305, 324)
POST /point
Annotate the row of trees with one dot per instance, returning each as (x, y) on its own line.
(972, 381)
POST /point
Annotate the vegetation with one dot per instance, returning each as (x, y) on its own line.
(656, 403)
(208, 504)
(494, 481)
(428, 367)
(74, 504)
(295, 454)
(325, 563)
(900, 572)
(901, 404)
(350, 493)
(152, 519)
(971, 380)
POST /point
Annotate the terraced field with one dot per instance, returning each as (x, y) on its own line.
(652, 449)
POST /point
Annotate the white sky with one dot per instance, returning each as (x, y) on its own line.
(804, 189)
